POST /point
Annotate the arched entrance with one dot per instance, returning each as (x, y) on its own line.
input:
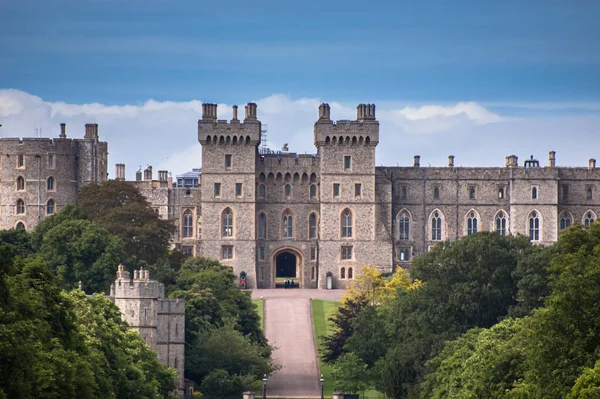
(287, 265)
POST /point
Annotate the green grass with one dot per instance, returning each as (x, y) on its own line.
(321, 310)
(260, 309)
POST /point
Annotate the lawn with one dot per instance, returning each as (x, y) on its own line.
(321, 310)
(260, 309)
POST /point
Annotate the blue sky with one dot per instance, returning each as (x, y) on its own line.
(535, 64)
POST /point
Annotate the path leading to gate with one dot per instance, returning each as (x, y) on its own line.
(288, 326)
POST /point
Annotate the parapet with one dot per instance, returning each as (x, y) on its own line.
(212, 131)
(362, 131)
(171, 306)
(139, 287)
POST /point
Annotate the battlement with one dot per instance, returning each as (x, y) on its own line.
(139, 287)
(362, 131)
(171, 306)
(213, 131)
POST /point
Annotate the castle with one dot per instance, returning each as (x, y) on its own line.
(315, 219)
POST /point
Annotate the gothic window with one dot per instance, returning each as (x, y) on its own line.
(343, 273)
(588, 219)
(590, 193)
(262, 225)
(501, 193)
(436, 192)
(350, 273)
(436, 227)
(288, 191)
(50, 184)
(313, 191)
(227, 223)
(501, 224)
(534, 192)
(346, 223)
(20, 183)
(471, 223)
(261, 191)
(51, 161)
(404, 226)
(534, 226)
(188, 224)
(20, 207)
(565, 220)
(288, 223)
(20, 225)
(20, 161)
(312, 226)
(472, 192)
(50, 207)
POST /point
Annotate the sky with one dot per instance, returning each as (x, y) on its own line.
(476, 79)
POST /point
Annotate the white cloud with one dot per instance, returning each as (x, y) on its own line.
(163, 133)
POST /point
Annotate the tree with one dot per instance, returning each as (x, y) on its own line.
(120, 208)
(372, 285)
(350, 374)
(343, 320)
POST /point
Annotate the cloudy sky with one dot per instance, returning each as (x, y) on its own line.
(479, 80)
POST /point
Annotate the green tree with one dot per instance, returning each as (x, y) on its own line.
(587, 385)
(350, 374)
(343, 321)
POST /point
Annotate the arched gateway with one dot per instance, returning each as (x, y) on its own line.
(287, 264)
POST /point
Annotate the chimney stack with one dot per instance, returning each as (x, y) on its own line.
(163, 175)
(235, 115)
(450, 161)
(120, 171)
(324, 112)
(63, 131)
(417, 161)
(250, 111)
(592, 163)
(138, 175)
(512, 161)
(209, 111)
(91, 131)
(552, 159)
(148, 173)
(365, 112)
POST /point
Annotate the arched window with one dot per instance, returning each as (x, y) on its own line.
(312, 226)
(534, 193)
(20, 225)
(501, 193)
(472, 193)
(227, 223)
(565, 220)
(262, 225)
(288, 223)
(501, 224)
(534, 226)
(436, 192)
(404, 226)
(436, 227)
(588, 219)
(346, 223)
(590, 193)
(288, 191)
(350, 272)
(20, 183)
(50, 184)
(20, 207)
(313, 191)
(261, 191)
(188, 224)
(343, 273)
(50, 207)
(471, 223)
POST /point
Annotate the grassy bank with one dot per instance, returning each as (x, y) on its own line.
(321, 310)
(260, 309)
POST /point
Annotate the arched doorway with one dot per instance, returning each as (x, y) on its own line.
(287, 265)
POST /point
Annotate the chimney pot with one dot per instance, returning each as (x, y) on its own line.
(63, 131)
(552, 159)
(235, 113)
(451, 161)
(417, 161)
(592, 163)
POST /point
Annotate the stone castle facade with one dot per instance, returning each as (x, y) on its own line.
(158, 320)
(274, 215)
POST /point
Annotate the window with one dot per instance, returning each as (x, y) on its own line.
(336, 190)
(590, 193)
(217, 189)
(238, 190)
(501, 224)
(404, 226)
(288, 223)
(312, 226)
(313, 191)
(472, 223)
(565, 193)
(20, 225)
(347, 223)
(50, 161)
(565, 221)
(227, 252)
(20, 207)
(404, 254)
(312, 273)
(534, 192)
(436, 192)
(350, 273)
(288, 191)
(534, 226)
(403, 192)
(472, 192)
(346, 253)
(188, 224)
(187, 251)
(357, 190)
(436, 227)
(343, 273)
(227, 218)
(50, 207)
(262, 225)
(156, 211)
(261, 253)
(588, 219)
(261, 191)
(50, 184)
(501, 193)
(20, 183)
(347, 162)
(20, 161)
(228, 160)
(313, 253)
